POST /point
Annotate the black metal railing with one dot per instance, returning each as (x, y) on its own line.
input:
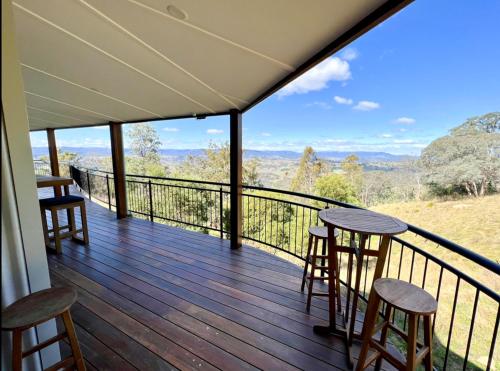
(464, 283)
(42, 167)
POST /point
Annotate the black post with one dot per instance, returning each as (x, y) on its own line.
(88, 183)
(109, 193)
(151, 214)
(236, 177)
(221, 213)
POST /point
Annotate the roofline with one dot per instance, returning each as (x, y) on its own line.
(371, 20)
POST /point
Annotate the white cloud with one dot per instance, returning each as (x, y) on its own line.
(349, 54)
(171, 130)
(366, 105)
(102, 127)
(386, 135)
(215, 131)
(265, 134)
(405, 120)
(319, 104)
(342, 100)
(403, 141)
(332, 69)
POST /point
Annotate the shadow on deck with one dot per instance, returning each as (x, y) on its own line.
(155, 297)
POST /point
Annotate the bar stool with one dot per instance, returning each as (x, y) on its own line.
(317, 234)
(413, 301)
(37, 308)
(69, 203)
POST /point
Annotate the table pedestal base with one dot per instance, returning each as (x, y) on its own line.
(342, 333)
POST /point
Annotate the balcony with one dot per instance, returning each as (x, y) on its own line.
(205, 291)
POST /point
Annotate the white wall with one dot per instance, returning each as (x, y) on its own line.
(24, 260)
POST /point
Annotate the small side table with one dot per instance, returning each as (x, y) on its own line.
(365, 223)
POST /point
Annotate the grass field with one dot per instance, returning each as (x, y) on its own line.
(474, 224)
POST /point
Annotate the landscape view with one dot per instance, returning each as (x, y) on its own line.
(402, 123)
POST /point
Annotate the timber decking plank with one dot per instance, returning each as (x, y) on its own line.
(286, 345)
(165, 288)
(160, 317)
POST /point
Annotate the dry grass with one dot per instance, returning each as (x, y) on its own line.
(474, 224)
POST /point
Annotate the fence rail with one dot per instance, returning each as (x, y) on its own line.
(466, 327)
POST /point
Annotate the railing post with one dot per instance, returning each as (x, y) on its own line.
(221, 213)
(236, 154)
(88, 183)
(109, 193)
(151, 214)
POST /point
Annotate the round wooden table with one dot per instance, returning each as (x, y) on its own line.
(362, 223)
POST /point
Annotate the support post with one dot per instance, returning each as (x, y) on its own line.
(54, 161)
(236, 177)
(118, 158)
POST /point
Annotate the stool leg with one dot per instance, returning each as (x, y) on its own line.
(412, 342)
(383, 335)
(71, 220)
(309, 246)
(55, 228)
(311, 277)
(369, 325)
(17, 350)
(75, 348)
(83, 215)
(45, 227)
(428, 342)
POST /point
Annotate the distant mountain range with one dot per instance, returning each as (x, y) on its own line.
(364, 156)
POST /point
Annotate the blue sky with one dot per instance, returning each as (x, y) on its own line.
(395, 89)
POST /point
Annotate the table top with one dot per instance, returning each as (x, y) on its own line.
(51, 181)
(363, 221)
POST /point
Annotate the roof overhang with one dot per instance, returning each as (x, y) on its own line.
(91, 62)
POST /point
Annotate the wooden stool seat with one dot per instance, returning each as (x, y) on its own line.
(416, 303)
(37, 308)
(68, 203)
(321, 232)
(405, 296)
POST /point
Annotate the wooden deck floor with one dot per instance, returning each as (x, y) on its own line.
(154, 297)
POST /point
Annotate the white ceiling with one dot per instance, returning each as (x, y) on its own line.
(87, 62)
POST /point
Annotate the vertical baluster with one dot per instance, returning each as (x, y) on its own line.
(471, 329)
(493, 340)
(89, 186)
(451, 323)
(221, 213)
(109, 193)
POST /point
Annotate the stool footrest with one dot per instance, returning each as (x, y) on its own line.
(46, 343)
(64, 364)
(388, 356)
(316, 278)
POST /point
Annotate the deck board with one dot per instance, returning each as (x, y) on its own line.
(156, 297)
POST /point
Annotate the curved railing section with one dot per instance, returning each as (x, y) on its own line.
(465, 284)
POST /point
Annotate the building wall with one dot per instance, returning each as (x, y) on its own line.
(24, 260)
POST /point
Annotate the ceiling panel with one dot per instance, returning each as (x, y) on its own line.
(94, 61)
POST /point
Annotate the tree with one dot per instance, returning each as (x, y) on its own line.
(310, 168)
(215, 166)
(337, 187)
(353, 171)
(145, 144)
(468, 158)
(65, 159)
